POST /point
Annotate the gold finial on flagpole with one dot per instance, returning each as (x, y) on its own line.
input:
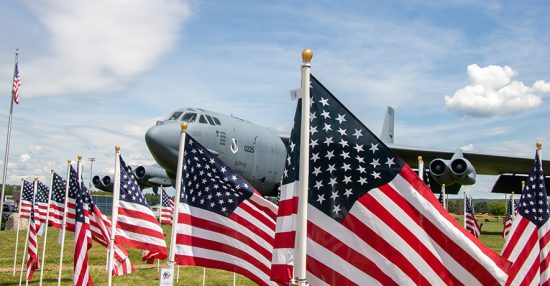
(68, 162)
(419, 158)
(79, 157)
(184, 126)
(307, 54)
(117, 148)
(539, 144)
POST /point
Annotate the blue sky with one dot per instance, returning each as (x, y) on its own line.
(95, 74)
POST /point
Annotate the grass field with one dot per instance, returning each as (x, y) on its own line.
(147, 274)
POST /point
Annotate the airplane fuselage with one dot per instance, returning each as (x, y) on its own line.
(255, 152)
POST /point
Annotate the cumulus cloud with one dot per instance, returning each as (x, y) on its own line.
(492, 92)
(101, 45)
(24, 157)
(469, 147)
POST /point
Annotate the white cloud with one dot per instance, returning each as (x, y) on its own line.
(469, 147)
(24, 157)
(100, 45)
(492, 92)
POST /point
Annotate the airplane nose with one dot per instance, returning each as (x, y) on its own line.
(160, 140)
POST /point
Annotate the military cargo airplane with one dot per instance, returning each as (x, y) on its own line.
(259, 154)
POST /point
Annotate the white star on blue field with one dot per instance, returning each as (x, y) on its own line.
(460, 74)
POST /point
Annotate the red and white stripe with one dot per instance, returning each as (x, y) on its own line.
(32, 250)
(25, 210)
(397, 234)
(82, 243)
(167, 213)
(241, 243)
(138, 227)
(40, 214)
(527, 247)
(56, 214)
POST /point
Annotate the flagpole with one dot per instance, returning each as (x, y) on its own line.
(464, 212)
(28, 229)
(18, 226)
(179, 171)
(8, 135)
(64, 227)
(420, 168)
(114, 216)
(444, 196)
(160, 220)
(46, 226)
(301, 230)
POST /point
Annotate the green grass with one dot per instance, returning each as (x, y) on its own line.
(144, 275)
(148, 274)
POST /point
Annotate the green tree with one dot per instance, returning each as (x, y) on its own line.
(152, 199)
(497, 208)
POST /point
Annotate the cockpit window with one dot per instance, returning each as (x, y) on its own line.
(202, 120)
(189, 117)
(175, 115)
(210, 120)
(217, 121)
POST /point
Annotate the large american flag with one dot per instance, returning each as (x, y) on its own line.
(528, 245)
(167, 209)
(57, 202)
(137, 225)
(32, 246)
(223, 222)
(26, 200)
(41, 204)
(470, 219)
(16, 84)
(371, 220)
(510, 214)
(82, 239)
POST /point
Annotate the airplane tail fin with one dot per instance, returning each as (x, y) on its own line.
(387, 128)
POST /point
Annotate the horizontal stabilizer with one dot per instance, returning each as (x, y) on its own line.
(507, 184)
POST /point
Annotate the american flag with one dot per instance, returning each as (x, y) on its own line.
(509, 217)
(223, 222)
(74, 188)
(41, 203)
(371, 220)
(16, 83)
(32, 246)
(26, 199)
(82, 239)
(441, 200)
(527, 244)
(136, 224)
(57, 203)
(167, 209)
(470, 219)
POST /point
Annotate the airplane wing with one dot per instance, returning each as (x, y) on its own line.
(486, 164)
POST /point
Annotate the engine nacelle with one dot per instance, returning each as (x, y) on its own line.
(107, 183)
(458, 170)
(98, 184)
(151, 176)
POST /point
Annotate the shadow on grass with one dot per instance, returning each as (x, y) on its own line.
(44, 281)
(491, 232)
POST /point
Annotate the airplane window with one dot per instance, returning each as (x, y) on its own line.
(189, 117)
(210, 120)
(202, 120)
(217, 121)
(175, 115)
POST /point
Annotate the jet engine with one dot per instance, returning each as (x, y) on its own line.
(98, 184)
(107, 183)
(151, 176)
(458, 170)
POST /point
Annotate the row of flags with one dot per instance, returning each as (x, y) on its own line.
(369, 219)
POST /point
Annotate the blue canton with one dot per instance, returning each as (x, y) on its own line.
(533, 203)
(207, 183)
(129, 188)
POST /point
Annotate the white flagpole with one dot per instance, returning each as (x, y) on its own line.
(18, 226)
(46, 226)
(464, 212)
(28, 229)
(420, 168)
(114, 216)
(178, 275)
(203, 276)
(64, 227)
(301, 229)
(160, 221)
(8, 135)
(234, 278)
(179, 171)
(443, 195)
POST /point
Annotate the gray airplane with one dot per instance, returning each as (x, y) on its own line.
(259, 154)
